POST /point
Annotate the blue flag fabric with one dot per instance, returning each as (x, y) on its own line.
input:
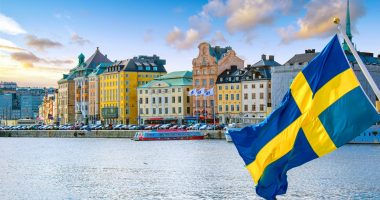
(324, 109)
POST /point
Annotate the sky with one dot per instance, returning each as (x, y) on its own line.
(40, 40)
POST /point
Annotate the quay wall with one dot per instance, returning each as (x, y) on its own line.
(217, 134)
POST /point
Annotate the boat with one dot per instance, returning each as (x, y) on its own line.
(168, 135)
(369, 136)
(227, 135)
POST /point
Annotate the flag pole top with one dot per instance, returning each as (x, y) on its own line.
(336, 20)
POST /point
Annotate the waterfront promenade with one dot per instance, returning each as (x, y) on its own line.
(209, 134)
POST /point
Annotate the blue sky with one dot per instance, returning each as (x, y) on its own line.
(40, 40)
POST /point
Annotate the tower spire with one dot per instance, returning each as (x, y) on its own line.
(348, 27)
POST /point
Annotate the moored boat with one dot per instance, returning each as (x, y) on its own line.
(168, 135)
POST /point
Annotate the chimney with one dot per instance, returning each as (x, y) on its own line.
(263, 57)
(271, 58)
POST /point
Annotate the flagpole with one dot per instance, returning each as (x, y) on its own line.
(196, 105)
(367, 75)
(213, 108)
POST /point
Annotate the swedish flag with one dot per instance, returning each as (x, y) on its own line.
(324, 109)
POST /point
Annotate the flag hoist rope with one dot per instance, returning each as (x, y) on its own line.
(358, 59)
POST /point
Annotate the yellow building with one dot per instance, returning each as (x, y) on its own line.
(118, 87)
(228, 94)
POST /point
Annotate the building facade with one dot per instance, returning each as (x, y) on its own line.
(94, 93)
(228, 86)
(66, 99)
(256, 90)
(166, 98)
(82, 83)
(207, 66)
(118, 87)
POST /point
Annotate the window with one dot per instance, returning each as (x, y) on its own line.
(253, 86)
(147, 68)
(166, 110)
(166, 91)
(173, 99)
(179, 89)
(232, 87)
(253, 107)
(154, 68)
(140, 68)
(179, 110)
(226, 87)
(126, 90)
(141, 111)
(188, 110)
(220, 87)
(173, 110)
(179, 99)
(237, 108)
(166, 99)
(211, 82)
(204, 82)
(232, 97)
(245, 86)
(261, 107)
(253, 95)
(261, 85)
(212, 103)
(173, 89)
(159, 100)
(154, 111)
(198, 72)
(237, 97)
(140, 100)
(226, 97)
(154, 100)
(232, 108)
(160, 111)
(226, 108)
(261, 95)
(127, 111)
(146, 111)
(187, 99)
(146, 100)
(269, 95)
(146, 91)
(237, 86)
(245, 108)
(220, 97)
(220, 108)
(140, 91)
(269, 85)
(204, 71)
(245, 96)
(197, 82)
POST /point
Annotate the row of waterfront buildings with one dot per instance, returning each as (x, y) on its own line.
(140, 91)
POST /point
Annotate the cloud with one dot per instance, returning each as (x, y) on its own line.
(218, 38)
(77, 39)
(241, 16)
(41, 43)
(8, 46)
(200, 27)
(28, 59)
(318, 19)
(180, 40)
(10, 26)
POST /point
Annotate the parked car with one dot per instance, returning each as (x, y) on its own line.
(174, 127)
(156, 126)
(203, 127)
(149, 127)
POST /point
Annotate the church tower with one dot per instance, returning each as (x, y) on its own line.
(348, 27)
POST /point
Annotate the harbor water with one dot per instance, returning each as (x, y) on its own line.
(103, 168)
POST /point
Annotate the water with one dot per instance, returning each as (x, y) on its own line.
(74, 168)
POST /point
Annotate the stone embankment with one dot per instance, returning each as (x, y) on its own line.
(217, 134)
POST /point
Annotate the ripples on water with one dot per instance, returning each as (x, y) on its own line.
(73, 168)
